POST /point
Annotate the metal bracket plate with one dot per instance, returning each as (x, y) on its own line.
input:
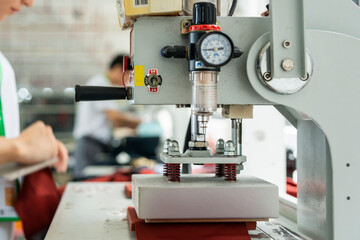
(288, 53)
(281, 85)
(202, 157)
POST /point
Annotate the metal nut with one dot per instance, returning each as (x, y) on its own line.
(229, 148)
(229, 153)
(174, 143)
(174, 149)
(220, 146)
(287, 65)
(286, 44)
(166, 146)
(198, 144)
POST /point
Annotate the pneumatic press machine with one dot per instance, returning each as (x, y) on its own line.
(299, 60)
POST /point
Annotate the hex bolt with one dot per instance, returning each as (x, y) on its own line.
(229, 148)
(220, 146)
(286, 44)
(186, 24)
(174, 149)
(287, 65)
(267, 76)
(166, 146)
(174, 143)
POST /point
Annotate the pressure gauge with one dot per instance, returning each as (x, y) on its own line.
(215, 49)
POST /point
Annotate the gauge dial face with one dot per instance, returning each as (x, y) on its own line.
(215, 49)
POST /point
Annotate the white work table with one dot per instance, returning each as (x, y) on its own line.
(97, 211)
(92, 211)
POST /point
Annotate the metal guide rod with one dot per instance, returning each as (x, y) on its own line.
(288, 51)
(236, 134)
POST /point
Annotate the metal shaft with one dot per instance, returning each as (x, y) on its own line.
(198, 127)
(236, 130)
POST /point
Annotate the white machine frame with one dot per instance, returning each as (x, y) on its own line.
(324, 111)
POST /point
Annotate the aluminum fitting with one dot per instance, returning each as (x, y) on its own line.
(193, 144)
(220, 146)
(229, 148)
(166, 146)
(174, 149)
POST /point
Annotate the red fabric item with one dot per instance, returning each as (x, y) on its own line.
(61, 190)
(128, 190)
(37, 202)
(188, 231)
(291, 187)
(119, 176)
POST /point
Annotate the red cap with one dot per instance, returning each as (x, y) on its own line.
(205, 27)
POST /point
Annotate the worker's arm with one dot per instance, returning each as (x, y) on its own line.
(35, 144)
(119, 119)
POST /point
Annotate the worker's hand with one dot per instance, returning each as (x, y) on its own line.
(63, 156)
(37, 143)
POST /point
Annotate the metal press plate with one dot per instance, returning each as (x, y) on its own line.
(203, 160)
(281, 85)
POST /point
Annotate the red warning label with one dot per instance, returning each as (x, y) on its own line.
(153, 71)
(153, 89)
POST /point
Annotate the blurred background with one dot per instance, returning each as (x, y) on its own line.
(55, 45)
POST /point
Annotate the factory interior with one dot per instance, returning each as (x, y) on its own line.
(179, 119)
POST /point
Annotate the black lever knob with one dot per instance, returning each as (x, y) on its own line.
(95, 93)
(204, 13)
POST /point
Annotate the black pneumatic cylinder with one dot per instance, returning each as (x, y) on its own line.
(204, 13)
(94, 93)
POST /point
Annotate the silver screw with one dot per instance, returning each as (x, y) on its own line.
(287, 65)
(220, 146)
(286, 44)
(174, 149)
(267, 76)
(166, 146)
(306, 77)
(229, 148)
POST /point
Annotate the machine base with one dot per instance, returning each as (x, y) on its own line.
(204, 197)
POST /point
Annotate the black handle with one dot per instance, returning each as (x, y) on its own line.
(94, 93)
(173, 51)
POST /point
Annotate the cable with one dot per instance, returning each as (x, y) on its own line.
(233, 7)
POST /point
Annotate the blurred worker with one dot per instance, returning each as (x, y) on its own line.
(95, 120)
(35, 144)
